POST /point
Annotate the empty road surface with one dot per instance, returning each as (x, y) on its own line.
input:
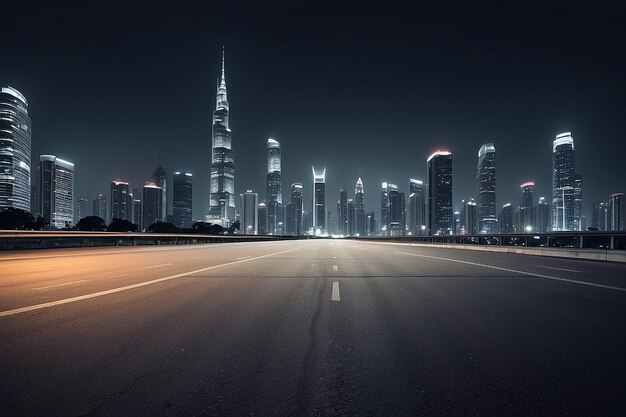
(309, 328)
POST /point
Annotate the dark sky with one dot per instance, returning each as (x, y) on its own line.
(355, 88)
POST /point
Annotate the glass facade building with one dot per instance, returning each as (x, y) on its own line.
(417, 212)
(617, 211)
(15, 150)
(56, 191)
(249, 224)
(440, 219)
(486, 179)
(151, 205)
(222, 181)
(296, 208)
(182, 199)
(564, 211)
(319, 202)
(274, 187)
(526, 208)
(121, 201)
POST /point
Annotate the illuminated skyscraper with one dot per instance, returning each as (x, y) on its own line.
(600, 215)
(100, 207)
(249, 223)
(121, 202)
(182, 199)
(319, 202)
(617, 211)
(159, 178)
(15, 150)
(274, 187)
(417, 212)
(151, 205)
(542, 217)
(342, 213)
(222, 188)
(563, 184)
(526, 208)
(506, 219)
(486, 179)
(296, 209)
(578, 202)
(359, 207)
(471, 217)
(56, 190)
(262, 218)
(440, 193)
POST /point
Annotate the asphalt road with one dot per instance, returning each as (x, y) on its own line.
(308, 328)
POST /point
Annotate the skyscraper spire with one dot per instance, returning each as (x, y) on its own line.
(223, 70)
(221, 97)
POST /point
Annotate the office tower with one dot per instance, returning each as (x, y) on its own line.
(486, 179)
(262, 218)
(578, 202)
(471, 217)
(351, 217)
(56, 190)
(617, 212)
(359, 207)
(274, 186)
(319, 202)
(222, 189)
(600, 215)
(506, 219)
(542, 216)
(461, 222)
(456, 219)
(35, 206)
(372, 229)
(137, 212)
(342, 213)
(384, 209)
(15, 148)
(289, 219)
(296, 208)
(182, 199)
(159, 178)
(563, 182)
(249, 221)
(440, 193)
(526, 208)
(151, 205)
(100, 207)
(120, 204)
(81, 210)
(395, 211)
(417, 215)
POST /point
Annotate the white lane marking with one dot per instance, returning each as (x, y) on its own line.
(335, 268)
(558, 269)
(532, 274)
(59, 285)
(155, 266)
(334, 257)
(243, 257)
(335, 295)
(118, 276)
(133, 286)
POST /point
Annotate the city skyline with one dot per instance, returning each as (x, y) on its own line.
(299, 98)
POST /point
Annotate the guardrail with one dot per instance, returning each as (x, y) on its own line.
(23, 240)
(572, 240)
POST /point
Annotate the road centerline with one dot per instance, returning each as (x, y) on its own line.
(60, 285)
(335, 293)
(532, 274)
(20, 310)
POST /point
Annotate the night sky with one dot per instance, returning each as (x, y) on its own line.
(357, 89)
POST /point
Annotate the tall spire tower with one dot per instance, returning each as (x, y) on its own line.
(222, 184)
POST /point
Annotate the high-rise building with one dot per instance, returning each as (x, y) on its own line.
(249, 223)
(600, 215)
(359, 207)
(461, 223)
(617, 212)
(56, 190)
(296, 209)
(471, 217)
(486, 179)
(151, 202)
(440, 193)
(137, 212)
(262, 218)
(526, 208)
(392, 210)
(351, 217)
(182, 199)
(578, 202)
(15, 150)
(563, 184)
(342, 213)
(319, 202)
(384, 209)
(417, 212)
(159, 178)
(222, 188)
(81, 210)
(100, 207)
(121, 201)
(372, 229)
(274, 186)
(542, 216)
(506, 219)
